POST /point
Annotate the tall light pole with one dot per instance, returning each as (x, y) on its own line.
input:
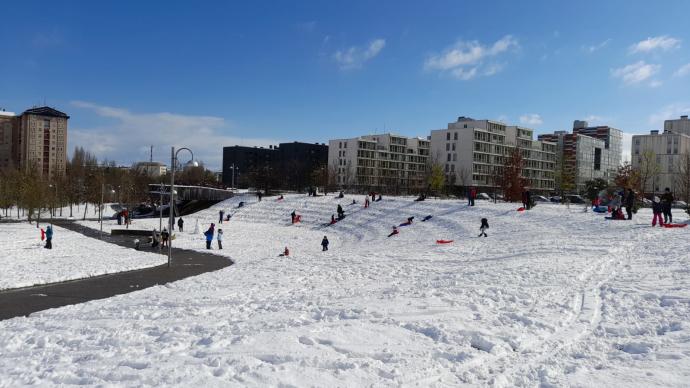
(54, 186)
(101, 209)
(160, 207)
(173, 164)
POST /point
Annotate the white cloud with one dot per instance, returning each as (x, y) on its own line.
(636, 73)
(355, 57)
(668, 112)
(125, 138)
(466, 59)
(663, 43)
(595, 119)
(596, 47)
(683, 70)
(531, 119)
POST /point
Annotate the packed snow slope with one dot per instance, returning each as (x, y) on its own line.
(24, 262)
(552, 297)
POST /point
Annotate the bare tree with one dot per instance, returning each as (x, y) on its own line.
(648, 170)
(682, 179)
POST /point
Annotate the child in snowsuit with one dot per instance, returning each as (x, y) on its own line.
(49, 237)
(219, 237)
(324, 243)
(293, 215)
(483, 227)
(657, 210)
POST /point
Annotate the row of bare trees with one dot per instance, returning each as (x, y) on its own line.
(87, 181)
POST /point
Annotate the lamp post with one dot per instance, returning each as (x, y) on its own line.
(54, 186)
(173, 165)
(160, 207)
(232, 185)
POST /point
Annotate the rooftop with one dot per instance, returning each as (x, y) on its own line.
(45, 111)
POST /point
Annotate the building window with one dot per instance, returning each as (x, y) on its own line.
(447, 135)
(448, 159)
(454, 144)
(455, 136)
(455, 157)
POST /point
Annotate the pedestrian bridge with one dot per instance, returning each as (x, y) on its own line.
(190, 193)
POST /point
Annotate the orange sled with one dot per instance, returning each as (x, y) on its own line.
(444, 241)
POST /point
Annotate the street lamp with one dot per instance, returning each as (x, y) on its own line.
(232, 184)
(53, 186)
(173, 164)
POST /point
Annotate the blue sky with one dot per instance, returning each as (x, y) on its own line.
(212, 74)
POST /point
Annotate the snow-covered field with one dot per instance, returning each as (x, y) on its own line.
(553, 297)
(24, 261)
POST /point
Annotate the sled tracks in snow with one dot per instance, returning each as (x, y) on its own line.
(185, 263)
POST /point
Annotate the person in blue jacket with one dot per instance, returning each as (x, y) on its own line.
(209, 236)
(49, 237)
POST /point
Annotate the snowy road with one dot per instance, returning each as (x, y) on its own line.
(553, 297)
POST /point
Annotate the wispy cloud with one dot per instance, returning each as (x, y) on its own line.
(354, 57)
(595, 119)
(668, 112)
(658, 43)
(596, 47)
(636, 73)
(467, 59)
(115, 138)
(682, 71)
(531, 119)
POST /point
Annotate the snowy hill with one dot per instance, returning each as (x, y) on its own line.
(554, 296)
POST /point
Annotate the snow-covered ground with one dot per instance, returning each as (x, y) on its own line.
(553, 297)
(24, 261)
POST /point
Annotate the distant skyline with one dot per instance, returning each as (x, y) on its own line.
(213, 74)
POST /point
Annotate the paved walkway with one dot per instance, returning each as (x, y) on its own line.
(185, 263)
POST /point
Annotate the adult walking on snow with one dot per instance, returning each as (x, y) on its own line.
(209, 235)
(165, 236)
(340, 212)
(629, 202)
(657, 211)
(49, 237)
(526, 199)
(666, 203)
(324, 244)
(221, 214)
(473, 195)
(180, 224)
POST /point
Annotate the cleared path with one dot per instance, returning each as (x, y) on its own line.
(185, 263)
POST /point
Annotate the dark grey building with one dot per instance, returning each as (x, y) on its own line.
(287, 166)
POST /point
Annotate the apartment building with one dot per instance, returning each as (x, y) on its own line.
(293, 162)
(473, 153)
(385, 161)
(8, 123)
(666, 151)
(583, 157)
(681, 125)
(612, 137)
(38, 140)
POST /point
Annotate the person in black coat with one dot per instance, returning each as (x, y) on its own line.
(324, 243)
(629, 202)
(180, 224)
(666, 203)
(483, 227)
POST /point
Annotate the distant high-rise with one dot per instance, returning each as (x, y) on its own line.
(35, 140)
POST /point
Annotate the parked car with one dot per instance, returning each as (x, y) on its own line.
(555, 199)
(483, 196)
(577, 199)
(498, 197)
(680, 205)
(540, 198)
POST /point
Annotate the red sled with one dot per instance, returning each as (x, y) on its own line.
(444, 241)
(674, 225)
(521, 209)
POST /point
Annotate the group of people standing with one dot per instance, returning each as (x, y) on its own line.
(662, 206)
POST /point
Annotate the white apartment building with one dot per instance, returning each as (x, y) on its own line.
(681, 125)
(473, 153)
(379, 161)
(667, 149)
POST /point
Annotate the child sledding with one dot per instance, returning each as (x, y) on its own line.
(394, 232)
(408, 222)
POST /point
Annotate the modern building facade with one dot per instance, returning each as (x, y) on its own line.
(473, 153)
(681, 125)
(292, 162)
(663, 153)
(38, 141)
(152, 169)
(385, 162)
(612, 137)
